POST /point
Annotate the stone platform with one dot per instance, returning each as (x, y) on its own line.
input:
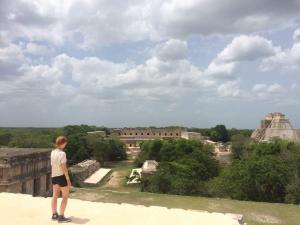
(28, 210)
(97, 176)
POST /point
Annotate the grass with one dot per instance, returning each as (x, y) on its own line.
(255, 213)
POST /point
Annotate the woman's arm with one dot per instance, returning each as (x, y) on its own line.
(65, 171)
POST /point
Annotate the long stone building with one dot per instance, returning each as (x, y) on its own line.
(276, 125)
(132, 137)
(25, 170)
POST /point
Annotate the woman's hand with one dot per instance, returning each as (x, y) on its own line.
(69, 183)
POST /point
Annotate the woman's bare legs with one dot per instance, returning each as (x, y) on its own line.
(65, 195)
(56, 191)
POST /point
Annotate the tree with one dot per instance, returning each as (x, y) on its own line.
(30, 140)
(75, 129)
(105, 149)
(76, 148)
(5, 138)
(257, 179)
(215, 135)
(239, 145)
(219, 133)
(244, 132)
(116, 150)
(263, 149)
(184, 165)
(293, 192)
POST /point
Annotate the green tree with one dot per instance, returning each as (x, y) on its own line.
(105, 149)
(239, 145)
(293, 192)
(184, 166)
(116, 150)
(257, 179)
(215, 136)
(5, 138)
(76, 148)
(219, 133)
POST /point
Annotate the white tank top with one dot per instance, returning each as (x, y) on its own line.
(57, 158)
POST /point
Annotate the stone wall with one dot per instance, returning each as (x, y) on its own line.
(82, 171)
(26, 171)
(147, 132)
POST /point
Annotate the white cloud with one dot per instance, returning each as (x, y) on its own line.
(241, 48)
(221, 70)
(178, 18)
(37, 49)
(11, 59)
(90, 23)
(259, 87)
(171, 50)
(229, 89)
(10, 53)
(294, 86)
(167, 76)
(247, 48)
(288, 59)
(267, 92)
(273, 88)
(76, 85)
(296, 35)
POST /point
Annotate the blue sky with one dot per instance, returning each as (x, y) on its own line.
(148, 63)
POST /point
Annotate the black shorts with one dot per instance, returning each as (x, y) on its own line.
(60, 180)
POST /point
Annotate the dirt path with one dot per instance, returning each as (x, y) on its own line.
(117, 177)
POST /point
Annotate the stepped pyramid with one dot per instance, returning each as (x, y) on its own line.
(276, 125)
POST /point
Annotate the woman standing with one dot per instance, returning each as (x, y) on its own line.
(60, 179)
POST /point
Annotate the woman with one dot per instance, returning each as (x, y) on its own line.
(60, 179)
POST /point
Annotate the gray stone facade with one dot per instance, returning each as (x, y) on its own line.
(25, 170)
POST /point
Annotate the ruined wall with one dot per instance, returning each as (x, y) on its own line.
(26, 173)
(148, 132)
(3, 188)
(81, 172)
(192, 136)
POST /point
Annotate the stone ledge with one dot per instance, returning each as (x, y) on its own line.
(27, 210)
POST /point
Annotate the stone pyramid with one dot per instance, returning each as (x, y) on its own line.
(276, 125)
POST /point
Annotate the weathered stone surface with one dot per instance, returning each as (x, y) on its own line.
(96, 177)
(25, 170)
(95, 213)
(81, 171)
(149, 167)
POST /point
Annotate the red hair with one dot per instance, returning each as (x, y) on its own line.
(60, 141)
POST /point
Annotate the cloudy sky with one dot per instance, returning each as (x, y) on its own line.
(116, 63)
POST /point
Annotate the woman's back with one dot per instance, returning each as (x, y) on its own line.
(57, 158)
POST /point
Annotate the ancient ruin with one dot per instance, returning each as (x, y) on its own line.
(81, 171)
(219, 148)
(25, 170)
(132, 137)
(149, 167)
(276, 125)
(192, 135)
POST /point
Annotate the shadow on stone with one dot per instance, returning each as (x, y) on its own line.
(78, 220)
